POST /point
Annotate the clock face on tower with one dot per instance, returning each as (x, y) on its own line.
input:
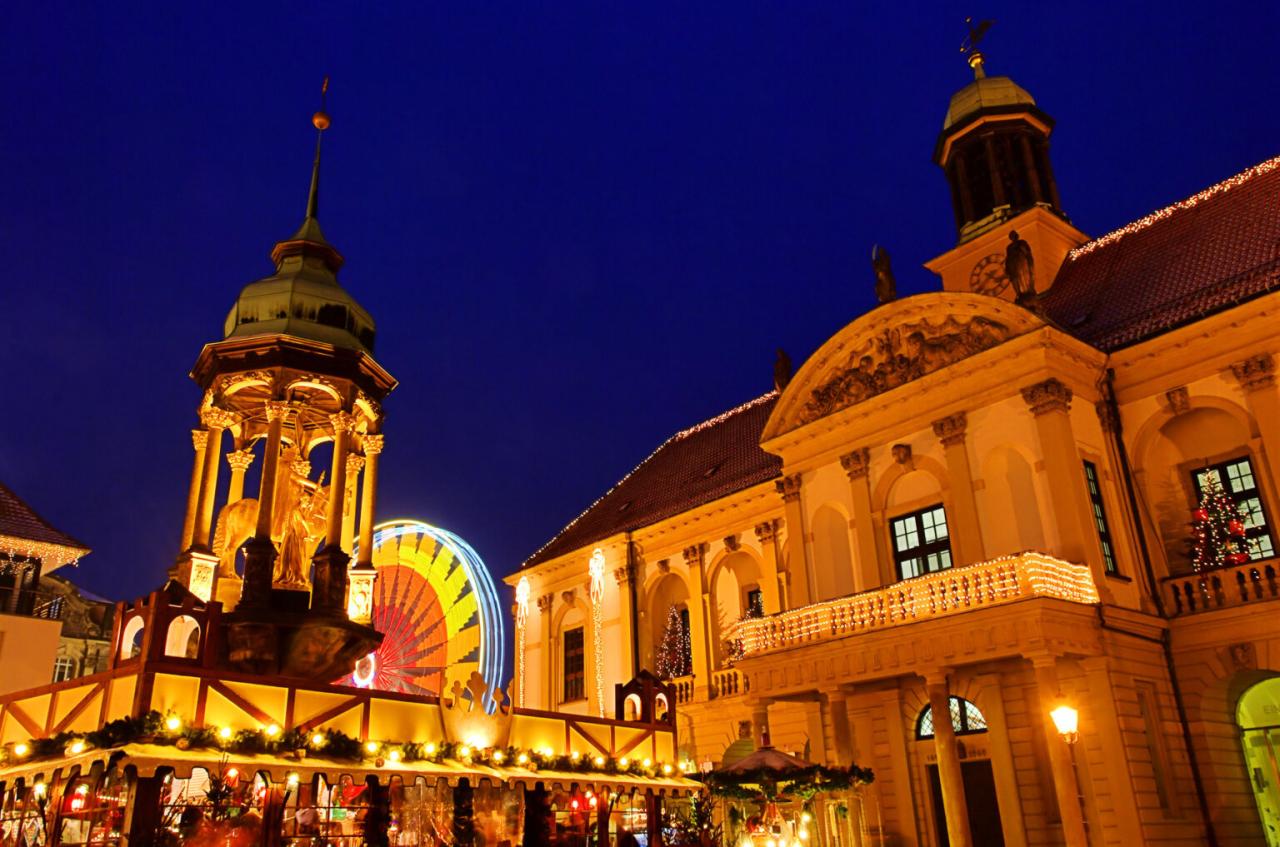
(988, 276)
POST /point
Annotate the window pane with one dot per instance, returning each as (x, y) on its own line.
(973, 717)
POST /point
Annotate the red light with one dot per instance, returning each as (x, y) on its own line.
(77, 803)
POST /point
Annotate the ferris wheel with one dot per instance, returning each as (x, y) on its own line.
(435, 602)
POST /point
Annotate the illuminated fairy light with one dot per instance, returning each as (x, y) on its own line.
(522, 616)
(489, 608)
(952, 591)
(596, 569)
(1192, 201)
(682, 434)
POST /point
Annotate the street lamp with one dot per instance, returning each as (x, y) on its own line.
(1067, 721)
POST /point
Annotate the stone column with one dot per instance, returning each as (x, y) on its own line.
(239, 462)
(215, 422)
(857, 466)
(799, 588)
(372, 450)
(625, 577)
(760, 722)
(550, 699)
(200, 441)
(1256, 376)
(949, 775)
(1065, 786)
(329, 583)
(260, 552)
(1102, 711)
(967, 529)
(354, 465)
(842, 740)
(699, 616)
(772, 592)
(1050, 403)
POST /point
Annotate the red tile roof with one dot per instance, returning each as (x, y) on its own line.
(1177, 265)
(19, 522)
(714, 459)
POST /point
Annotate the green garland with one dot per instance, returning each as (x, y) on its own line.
(769, 784)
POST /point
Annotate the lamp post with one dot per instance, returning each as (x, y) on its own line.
(1066, 719)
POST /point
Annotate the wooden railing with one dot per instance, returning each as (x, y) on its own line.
(728, 683)
(950, 592)
(1252, 582)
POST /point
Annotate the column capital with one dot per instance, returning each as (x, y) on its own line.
(624, 575)
(950, 430)
(1107, 417)
(277, 410)
(240, 460)
(765, 532)
(1043, 660)
(1256, 372)
(693, 554)
(938, 676)
(1051, 395)
(544, 603)
(200, 439)
(857, 464)
(215, 418)
(372, 444)
(342, 422)
(354, 465)
(789, 488)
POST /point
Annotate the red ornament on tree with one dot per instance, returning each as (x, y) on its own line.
(1201, 514)
(1236, 528)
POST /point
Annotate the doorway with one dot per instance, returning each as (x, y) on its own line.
(979, 798)
(1258, 716)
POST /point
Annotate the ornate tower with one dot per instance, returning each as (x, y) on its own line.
(994, 150)
(294, 371)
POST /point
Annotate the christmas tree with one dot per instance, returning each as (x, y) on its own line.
(1217, 530)
(675, 650)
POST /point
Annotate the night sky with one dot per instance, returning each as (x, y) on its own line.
(580, 227)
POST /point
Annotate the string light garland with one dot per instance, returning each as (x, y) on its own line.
(1160, 214)
(596, 569)
(951, 591)
(679, 436)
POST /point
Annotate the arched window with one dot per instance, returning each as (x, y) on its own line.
(965, 719)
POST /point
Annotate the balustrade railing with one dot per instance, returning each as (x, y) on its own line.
(685, 689)
(728, 683)
(1252, 582)
(953, 591)
(31, 603)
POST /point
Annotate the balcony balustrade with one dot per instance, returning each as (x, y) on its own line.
(728, 683)
(31, 603)
(953, 591)
(685, 689)
(1250, 583)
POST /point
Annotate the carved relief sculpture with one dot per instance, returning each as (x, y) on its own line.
(898, 356)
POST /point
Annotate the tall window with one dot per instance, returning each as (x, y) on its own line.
(1237, 480)
(921, 543)
(755, 603)
(63, 669)
(1100, 516)
(575, 679)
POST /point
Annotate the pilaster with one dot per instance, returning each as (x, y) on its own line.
(773, 591)
(967, 534)
(799, 578)
(699, 616)
(857, 466)
(625, 577)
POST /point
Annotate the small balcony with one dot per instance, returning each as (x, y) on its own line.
(31, 603)
(1248, 584)
(954, 591)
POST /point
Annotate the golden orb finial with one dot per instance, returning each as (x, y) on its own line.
(320, 120)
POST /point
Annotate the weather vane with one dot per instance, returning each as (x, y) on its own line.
(321, 118)
(969, 47)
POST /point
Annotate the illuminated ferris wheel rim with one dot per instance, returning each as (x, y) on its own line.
(488, 609)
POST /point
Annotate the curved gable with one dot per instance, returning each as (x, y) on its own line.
(892, 345)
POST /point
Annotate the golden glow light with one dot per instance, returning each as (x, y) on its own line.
(76, 747)
(599, 761)
(522, 616)
(225, 733)
(317, 739)
(272, 730)
(173, 723)
(498, 756)
(1067, 721)
(595, 568)
(40, 789)
(21, 749)
(395, 755)
(648, 763)
(371, 746)
(292, 779)
(430, 749)
(464, 751)
(522, 759)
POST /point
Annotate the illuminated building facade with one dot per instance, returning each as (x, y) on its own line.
(977, 502)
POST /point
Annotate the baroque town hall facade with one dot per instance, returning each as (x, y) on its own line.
(978, 501)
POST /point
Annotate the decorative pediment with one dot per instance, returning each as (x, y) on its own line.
(893, 345)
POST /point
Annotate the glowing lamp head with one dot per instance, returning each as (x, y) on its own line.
(624, 762)
(595, 801)
(272, 731)
(498, 755)
(21, 749)
(430, 749)
(806, 817)
(575, 804)
(371, 746)
(317, 739)
(1067, 721)
(648, 763)
(598, 761)
(225, 733)
(173, 723)
(292, 779)
(231, 774)
(464, 751)
(666, 769)
(40, 789)
(522, 759)
(575, 755)
(395, 756)
(76, 747)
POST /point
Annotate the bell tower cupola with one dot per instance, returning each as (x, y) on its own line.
(994, 151)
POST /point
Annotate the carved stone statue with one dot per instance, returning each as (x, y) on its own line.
(296, 527)
(781, 370)
(1020, 267)
(886, 285)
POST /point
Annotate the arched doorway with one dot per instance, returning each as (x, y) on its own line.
(1258, 716)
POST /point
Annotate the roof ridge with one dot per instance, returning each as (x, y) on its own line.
(723, 416)
(1187, 203)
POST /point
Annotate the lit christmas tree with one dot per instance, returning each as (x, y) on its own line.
(1217, 530)
(674, 652)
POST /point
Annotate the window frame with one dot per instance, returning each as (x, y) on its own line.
(573, 681)
(1102, 524)
(965, 729)
(67, 662)
(1221, 466)
(923, 550)
(753, 600)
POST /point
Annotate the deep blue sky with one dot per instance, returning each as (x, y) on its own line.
(579, 226)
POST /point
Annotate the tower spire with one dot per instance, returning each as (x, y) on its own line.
(321, 122)
(970, 46)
